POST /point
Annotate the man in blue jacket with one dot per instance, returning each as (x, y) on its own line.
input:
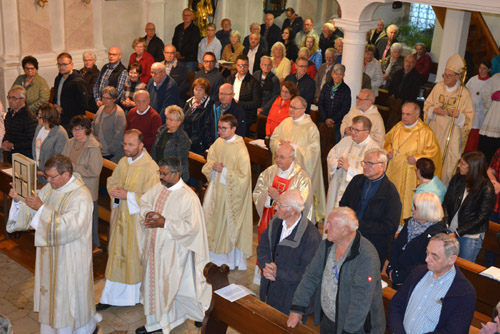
(435, 298)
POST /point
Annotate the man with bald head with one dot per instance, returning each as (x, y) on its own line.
(177, 71)
(155, 44)
(284, 175)
(365, 107)
(225, 105)
(163, 90)
(144, 118)
(270, 31)
(112, 74)
(285, 250)
(300, 131)
(408, 141)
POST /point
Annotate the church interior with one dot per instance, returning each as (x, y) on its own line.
(45, 28)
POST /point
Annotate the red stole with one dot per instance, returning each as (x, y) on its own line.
(267, 214)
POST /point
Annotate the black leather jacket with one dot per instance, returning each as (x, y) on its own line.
(473, 215)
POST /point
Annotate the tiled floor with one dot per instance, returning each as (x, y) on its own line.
(16, 301)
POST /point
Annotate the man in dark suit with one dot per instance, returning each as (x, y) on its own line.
(404, 87)
(225, 105)
(293, 21)
(254, 52)
(177, 71)
(376, 202)
(270, 31)
(269, 83)
(247, 91)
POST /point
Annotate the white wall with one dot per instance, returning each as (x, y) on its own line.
(122, 21)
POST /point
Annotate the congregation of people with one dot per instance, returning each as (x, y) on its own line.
(402, 196)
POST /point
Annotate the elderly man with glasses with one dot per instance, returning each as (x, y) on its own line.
(376, 202)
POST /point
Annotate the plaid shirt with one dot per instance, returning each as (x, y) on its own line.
(131, 88)
(495, 165)
(103, 80)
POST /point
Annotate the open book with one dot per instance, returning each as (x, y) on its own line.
(491, 272)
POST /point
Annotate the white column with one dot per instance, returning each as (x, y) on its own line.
(57, 31)
(455, 33)
(353, 52)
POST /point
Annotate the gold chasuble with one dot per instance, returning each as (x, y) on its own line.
(174, 288)
(304, 136)
(442, 97)
(126, 236)
(64, 286)
(228, 199)
(418, 141)
(297, 179)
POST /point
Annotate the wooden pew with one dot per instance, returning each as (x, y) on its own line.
(196, 162)
(259, 127)
(258, 155)
(104, 208)
(487, 289)
(490, 242)
(246, 315)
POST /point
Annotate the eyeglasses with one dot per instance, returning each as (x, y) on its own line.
(63, 64)
(155, 73)
(78, 128)
(302, 66)
(113, 54)
(357, 130)
(222, 128)
(295, 108)
(165, 174)
(369, 163)
(48, 177)
(169, 53)
(358, 98)
(14, 98)
(242, 65)
(449, 76)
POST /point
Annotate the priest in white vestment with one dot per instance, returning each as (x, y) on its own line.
(365, 107)
(300, 131)
(61, 215)
(345, 159)
(136, 173)
(176, 251)
(228, 200)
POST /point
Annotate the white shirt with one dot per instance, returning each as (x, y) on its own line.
(251, 58)
(237, 86)
(285, 231)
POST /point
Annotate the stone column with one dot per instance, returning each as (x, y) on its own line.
(353, 52)
(456, 30)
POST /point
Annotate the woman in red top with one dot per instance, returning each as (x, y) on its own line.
(279, 110)
(142, 57)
